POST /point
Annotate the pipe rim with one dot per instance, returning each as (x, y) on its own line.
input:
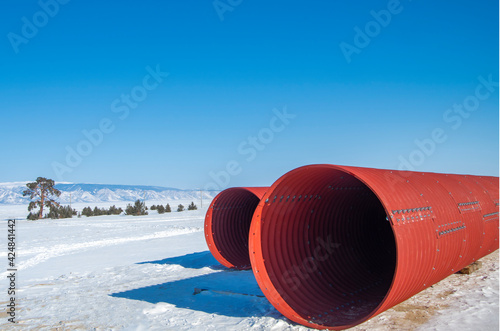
(258, 261)
(249, 197)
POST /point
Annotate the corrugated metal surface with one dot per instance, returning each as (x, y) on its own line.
(332, 246)
(227, 223)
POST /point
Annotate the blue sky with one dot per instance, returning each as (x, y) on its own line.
(222, 93)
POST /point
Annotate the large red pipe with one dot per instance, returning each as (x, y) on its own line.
(332, 246)
(227, 223)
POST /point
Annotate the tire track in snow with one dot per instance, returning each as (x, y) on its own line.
(46, 253)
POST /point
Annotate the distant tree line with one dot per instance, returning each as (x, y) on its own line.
(42, 194)
(113, 210)
(161, 209)
(55, 212)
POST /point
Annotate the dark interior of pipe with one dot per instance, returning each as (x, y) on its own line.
(231, 217)
(329, 250)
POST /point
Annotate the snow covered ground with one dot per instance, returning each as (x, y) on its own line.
(140, 273)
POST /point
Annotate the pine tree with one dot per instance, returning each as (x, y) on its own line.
(87, 211)
(192, 206)
(53, 212)
(60, 212)
(180, 208)
(160, 209)
(66, 212)
(129, 210)
(42, 194)
(139, 208)
(168, 209)
(98, 212)
(115, 211)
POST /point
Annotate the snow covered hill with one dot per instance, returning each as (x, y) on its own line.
(12, 193)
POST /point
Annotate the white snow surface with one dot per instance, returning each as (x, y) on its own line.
(140, 272)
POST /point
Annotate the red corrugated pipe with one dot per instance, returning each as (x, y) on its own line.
(227, 223)
(332, 246)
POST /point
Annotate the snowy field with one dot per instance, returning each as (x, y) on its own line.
(140, 273)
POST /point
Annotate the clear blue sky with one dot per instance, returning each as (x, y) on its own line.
(368, 83)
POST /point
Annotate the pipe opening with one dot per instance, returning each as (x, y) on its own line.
(327, 247)
(230, 216)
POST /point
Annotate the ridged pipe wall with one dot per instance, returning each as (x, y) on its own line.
(227, 223)
(332, 246)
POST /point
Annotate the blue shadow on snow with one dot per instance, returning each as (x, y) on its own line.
(225, 292)
(196, 260)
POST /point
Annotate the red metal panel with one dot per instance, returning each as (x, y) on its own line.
(227, 223)
(489, 188)
(332, 246)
